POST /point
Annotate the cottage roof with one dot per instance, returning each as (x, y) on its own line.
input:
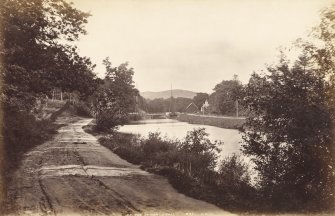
(191, 105)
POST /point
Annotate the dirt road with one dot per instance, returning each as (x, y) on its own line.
(73, 175)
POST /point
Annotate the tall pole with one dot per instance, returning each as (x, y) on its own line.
(171, 108)
(236, 108)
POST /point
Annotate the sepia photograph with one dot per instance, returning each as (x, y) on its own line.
(167, 107)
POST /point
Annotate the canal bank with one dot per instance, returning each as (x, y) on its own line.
(216, 121)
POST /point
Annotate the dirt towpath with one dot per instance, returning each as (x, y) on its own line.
(74, 175)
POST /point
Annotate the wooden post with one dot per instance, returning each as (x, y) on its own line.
(61, 95)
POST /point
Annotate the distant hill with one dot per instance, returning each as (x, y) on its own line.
(167, 94)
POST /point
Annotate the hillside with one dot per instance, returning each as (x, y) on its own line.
(167, 94)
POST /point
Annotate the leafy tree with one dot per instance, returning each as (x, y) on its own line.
(35, 59)
(289, 134)
(234, 176)
(325, 55)
(116, 97)
(142, 103)
(222, 100)
(200, 98)
(199, 155)
(157, 105)
(160, 105)
(181, 103)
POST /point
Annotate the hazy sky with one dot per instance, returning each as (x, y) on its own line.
(193, 44)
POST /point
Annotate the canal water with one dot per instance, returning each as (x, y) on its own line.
(173, 129)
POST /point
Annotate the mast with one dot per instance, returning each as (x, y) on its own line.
(170, 97)
(171, 101)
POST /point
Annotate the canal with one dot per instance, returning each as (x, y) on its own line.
(173, 129)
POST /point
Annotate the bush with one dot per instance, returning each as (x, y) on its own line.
(233, 174)
(199, 154)
(182, 182)
(22, 132)
(82, 109)
(123, 145)
(234, 180)
(155, 144)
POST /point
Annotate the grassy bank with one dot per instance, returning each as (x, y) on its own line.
(189, 166)
(227, 122)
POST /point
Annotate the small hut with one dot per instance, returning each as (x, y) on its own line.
(192, 108)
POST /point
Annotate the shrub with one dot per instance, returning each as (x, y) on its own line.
(182, 182)
(233, 174)
(124, 145)
(82, 109)
(22, 132)
(199, 154)
(233, 183)
(155, 144)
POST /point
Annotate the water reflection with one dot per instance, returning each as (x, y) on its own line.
(174, 129)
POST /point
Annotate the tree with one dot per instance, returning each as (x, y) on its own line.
(200, 98)
(157, 105)
(180, 103)
(325, 55)
(35, 60)
(198, 154)
(234, 176)
(116, 97)
(142, 104)
(321, 50)
(222, 100)
(160, 105)
(289, 134)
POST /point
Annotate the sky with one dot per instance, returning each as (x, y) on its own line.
(193, 44)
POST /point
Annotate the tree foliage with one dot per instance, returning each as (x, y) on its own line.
(199, 153)
(34, 54)
(200, 98)
(290, 131)
(116, 97)
(161, 105)
(234, 175)
(289, 134)
(34, 60)
(222, 100)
